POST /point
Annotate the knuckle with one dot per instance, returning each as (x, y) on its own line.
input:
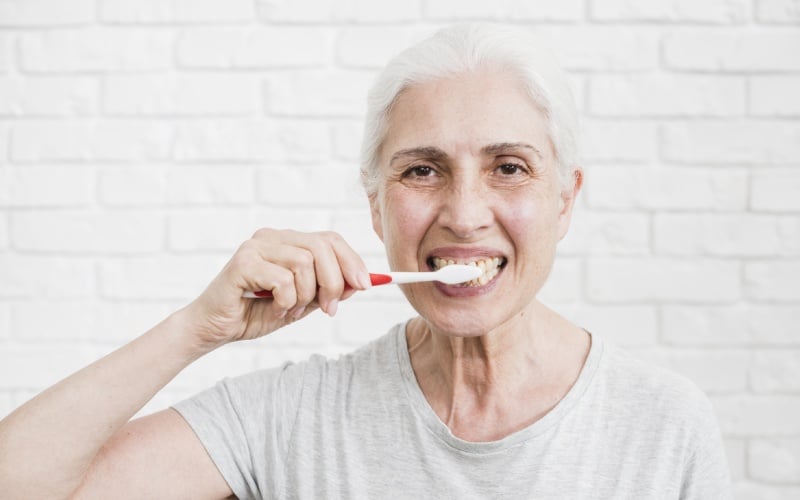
(264, 233)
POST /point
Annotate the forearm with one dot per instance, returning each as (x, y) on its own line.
(47, 445)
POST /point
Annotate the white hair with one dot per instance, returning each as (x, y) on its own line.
(463, 48)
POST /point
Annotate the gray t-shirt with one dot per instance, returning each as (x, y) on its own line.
(360, 427)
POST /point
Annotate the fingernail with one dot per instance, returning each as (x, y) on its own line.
(282, 313)
(298, 312)
(332, 306)
(363, 280)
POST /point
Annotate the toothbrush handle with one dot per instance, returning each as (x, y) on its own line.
(374, 278)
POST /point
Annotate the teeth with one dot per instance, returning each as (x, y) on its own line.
(489, 265)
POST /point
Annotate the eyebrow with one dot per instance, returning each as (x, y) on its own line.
(436, 154)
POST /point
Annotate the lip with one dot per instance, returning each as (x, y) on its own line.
(466, 253)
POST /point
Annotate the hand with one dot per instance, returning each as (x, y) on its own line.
(303, 271)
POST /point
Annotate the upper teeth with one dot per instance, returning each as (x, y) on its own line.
(489, 266)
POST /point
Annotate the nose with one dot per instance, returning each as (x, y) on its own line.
(466, 207)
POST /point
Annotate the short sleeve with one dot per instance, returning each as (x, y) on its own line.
(706, 475)
(245, 424)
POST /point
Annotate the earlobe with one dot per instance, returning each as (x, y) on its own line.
(568, 197)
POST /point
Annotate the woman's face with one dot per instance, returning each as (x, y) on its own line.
(468, 174)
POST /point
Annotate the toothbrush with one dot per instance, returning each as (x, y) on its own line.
(451, 275)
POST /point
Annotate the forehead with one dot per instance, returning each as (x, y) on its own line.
(465, 112)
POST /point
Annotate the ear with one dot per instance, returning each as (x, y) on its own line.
(568, 196)
(375, 211)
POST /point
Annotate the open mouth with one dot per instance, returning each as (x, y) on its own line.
(490, 266)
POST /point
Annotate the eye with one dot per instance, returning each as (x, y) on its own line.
(419, 171)
(511, 169)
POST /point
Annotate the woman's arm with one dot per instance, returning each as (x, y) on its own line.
(73, 437)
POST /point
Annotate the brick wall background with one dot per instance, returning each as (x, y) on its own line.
(142, 141)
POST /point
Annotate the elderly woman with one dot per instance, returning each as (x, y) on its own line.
(469, 157)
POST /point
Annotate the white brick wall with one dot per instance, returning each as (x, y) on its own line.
(141, 142)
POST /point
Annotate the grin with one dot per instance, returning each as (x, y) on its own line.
(490, 266)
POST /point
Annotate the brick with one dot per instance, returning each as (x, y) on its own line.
(133, 185)
(718, 371)
(66, 320)
(775, 460)
(93, 140)
(45, 276)
(448, 10)
(253, 47)
(607, 233)
(669, 188)
(775, 190)
(309, 186)
(662, 279)
(373, 46)
(36, 367)
(778, 11)
(210, 185)
(183, 11)
(736, 453)
(741, 324)
(220, 94)
(346, 141)
(355, 226)
(319, 93)
(774, 96)
(772, 280)
(603, 48)
(757, 415)
(639, 328)
(666, 95)
(46, 186)
(618, 140)
(564, 282)
(5, 321)
(775, 371)
(48, 96)
(703, 11)
(731, 235)
(734, 51)
(6, 56)
(96, 49)
(212, 368)
(296, 218)
(122, 321)
(72, 231)
(167, 277)
(360, 321)
(315, 11)
(3, 232)
(731, 142)
(45, 13)
(267, 141)
(221, 229)
(5, 139)
(313, 333)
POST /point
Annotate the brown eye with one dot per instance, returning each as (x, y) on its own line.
(419, 171)
(510, 169)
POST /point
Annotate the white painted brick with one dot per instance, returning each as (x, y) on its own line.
(775, 371)
(50, 96)
(772, 280)
(606, 233)
(517, 10)
(222, 229)
(210, 185)
(355, 226)
(6, 57)
(564, 284)
(309, 186)
(3, 232)
(666, 95)
(746, 490)
(118, 322)
(318, 11)
(297, 219)
(131, 185)
(5, 321)
(707, 11)
(669, 188)
(734, 235)
(757, 415)
(362, 321)
(725, 142)
(45, 13)
(166, 11)
(47, 277)
(212, 368)
(39, 186)
(775, 460)
(778, 11)
(253, 47)
(714, 370)
(373, 46)
(316, 93)
(736, 50)
(346, 140)
(81, 140)
(775, 190)
(618, 140)
(662, 279)
(603, 48)
(736, 453)
(775, 96)
(740, 324)
(5, 141)
(96, 49)
(178, 277)
(627, 326)
(66, 320)
(36, 366)
(272, 140)
(314, 332)
(224, 94)
(70, 231)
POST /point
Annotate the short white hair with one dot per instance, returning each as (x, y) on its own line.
(464, 48)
